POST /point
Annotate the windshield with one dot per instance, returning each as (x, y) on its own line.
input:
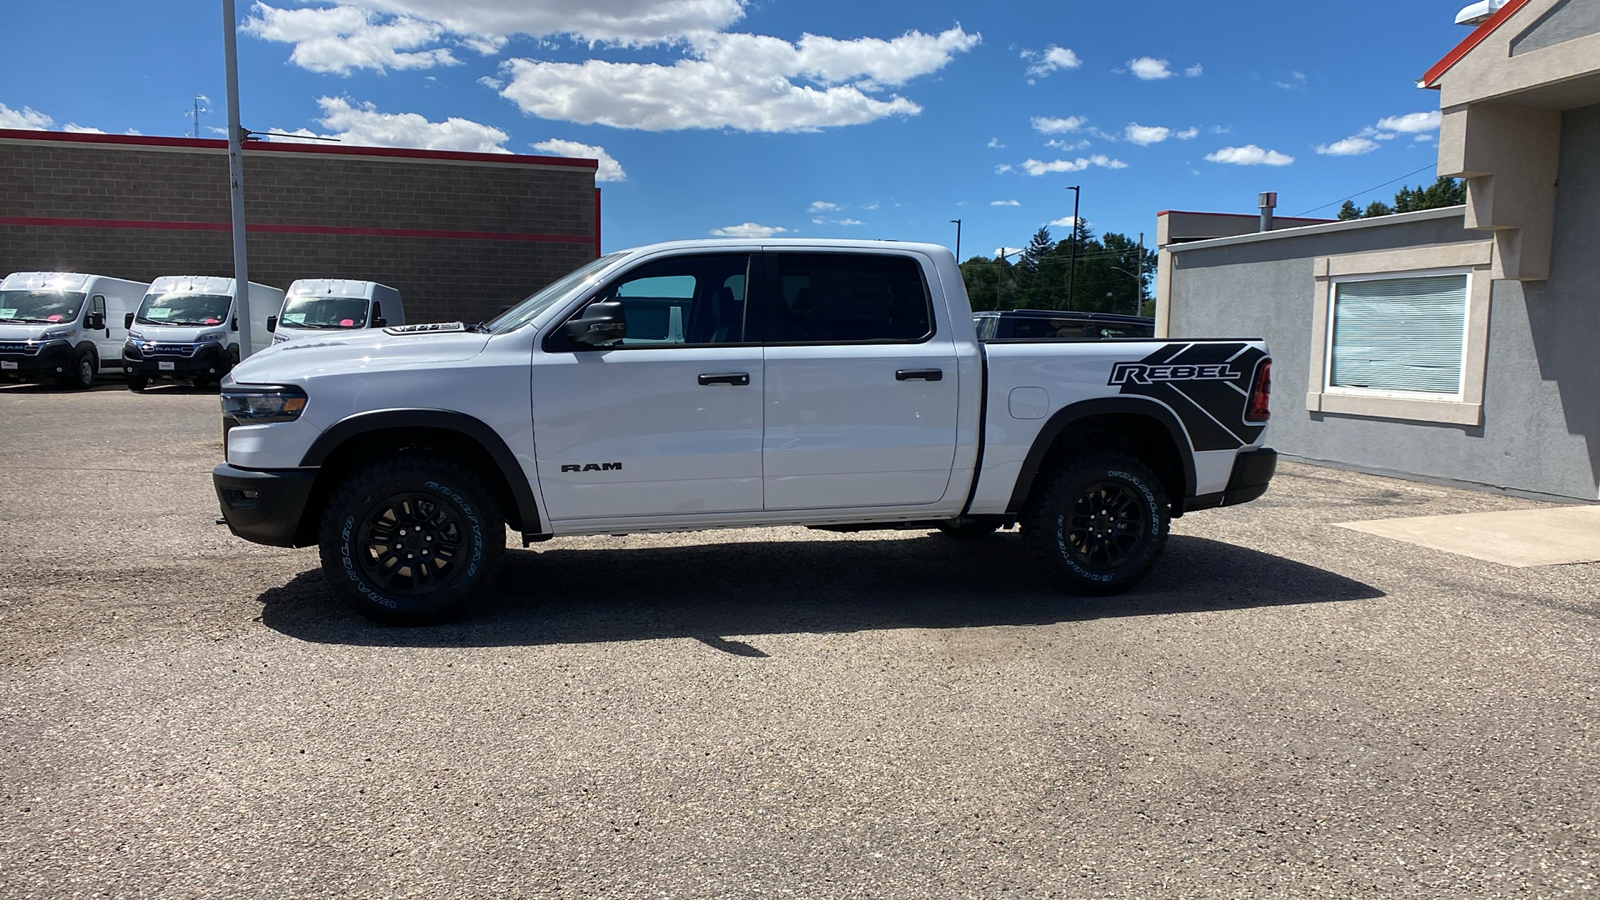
(555, 292)
(324, 312)
(184, 309)
(40, 307)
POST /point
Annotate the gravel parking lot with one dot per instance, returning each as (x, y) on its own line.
(1284, 709)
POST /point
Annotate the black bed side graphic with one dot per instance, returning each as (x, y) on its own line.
(1207, 385)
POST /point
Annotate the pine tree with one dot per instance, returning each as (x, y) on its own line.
(1348, 211)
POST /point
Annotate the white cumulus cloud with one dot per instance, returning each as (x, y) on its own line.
(1147, 68)
(1195, 71)
(1411, 123)
(486, 25)
(25, 119)
(343, 38)
(1145, 135)
(746, 82)
(1051, 58)
(1036, 167)
(610, 169)
(1051, 125)
(1005, 203)
(365, 126)
(1350, 146)
(1187, 134)
(1249, 155)
(822, 206)
(748, 230)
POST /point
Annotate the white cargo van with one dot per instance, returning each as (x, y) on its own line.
(188, 327)
(65, 326)
(314, 306)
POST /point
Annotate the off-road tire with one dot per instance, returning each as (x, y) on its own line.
(411, 539)
(1098, 523)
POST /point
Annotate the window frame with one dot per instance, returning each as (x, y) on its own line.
(771, 299)
(556, 340)
(1474, 260)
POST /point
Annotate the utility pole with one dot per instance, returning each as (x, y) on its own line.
(241, 266)
(1138, 293)
(1072, 273)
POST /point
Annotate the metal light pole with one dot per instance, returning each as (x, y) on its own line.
(958, 240)
(241, 267)
(1072, 274)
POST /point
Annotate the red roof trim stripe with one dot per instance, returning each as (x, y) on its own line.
(139, 140)
(425, 234)
(1431, 77)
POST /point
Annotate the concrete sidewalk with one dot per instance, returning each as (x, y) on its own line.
(1519, 538)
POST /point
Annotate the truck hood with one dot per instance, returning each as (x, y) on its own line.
(179, 334)
(31, 332)
(363, 350)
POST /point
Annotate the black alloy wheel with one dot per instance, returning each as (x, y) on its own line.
(410, 539)
(1099, 522)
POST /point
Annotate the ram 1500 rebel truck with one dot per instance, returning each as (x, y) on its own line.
(723, 384)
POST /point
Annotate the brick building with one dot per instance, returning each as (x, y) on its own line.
(459, 234)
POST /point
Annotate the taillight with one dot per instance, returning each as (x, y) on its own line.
(1260, 406)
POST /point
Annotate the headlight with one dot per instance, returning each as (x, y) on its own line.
(57, 335)
(215, 337)
(260, 404)
(280, 339)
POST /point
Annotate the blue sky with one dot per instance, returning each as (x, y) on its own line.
(811, 119)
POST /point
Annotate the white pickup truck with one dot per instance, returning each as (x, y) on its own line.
(724, 384)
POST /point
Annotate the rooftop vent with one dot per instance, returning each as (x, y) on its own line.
(1479, 12)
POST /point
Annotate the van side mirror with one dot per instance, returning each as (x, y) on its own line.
(599, 324)
(378, 321)
(272, 323)
(234, 324)
(127, 321)
(94, 321)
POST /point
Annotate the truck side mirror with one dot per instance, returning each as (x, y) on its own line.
(94, 321)
(272, 323)
(127, 321)
(599, 324)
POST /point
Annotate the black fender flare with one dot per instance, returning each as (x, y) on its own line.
(1065, 417)
(527, 511)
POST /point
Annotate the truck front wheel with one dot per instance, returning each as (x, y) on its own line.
(1099, 522)
(412, 538)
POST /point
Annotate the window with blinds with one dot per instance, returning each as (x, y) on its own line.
(1399, 334)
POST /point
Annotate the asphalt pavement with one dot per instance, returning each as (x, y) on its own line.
(1285, 708)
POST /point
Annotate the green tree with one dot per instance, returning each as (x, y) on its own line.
(1348, 211)
(982, 276)
(1377, 208)
(1445, 191)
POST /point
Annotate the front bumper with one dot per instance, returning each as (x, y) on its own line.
(1252, 473)
(207, 359)
(49, 360)
(265, 507)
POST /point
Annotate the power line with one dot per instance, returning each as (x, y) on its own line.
(1368, 190)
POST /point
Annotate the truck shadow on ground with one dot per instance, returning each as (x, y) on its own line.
(711, 591)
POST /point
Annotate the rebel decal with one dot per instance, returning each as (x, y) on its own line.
(1207, 385)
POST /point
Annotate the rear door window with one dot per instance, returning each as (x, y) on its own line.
(842, 298)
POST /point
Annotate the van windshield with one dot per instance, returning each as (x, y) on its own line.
(40, 307)
(324, 312)
(184, 309)
(553, 293)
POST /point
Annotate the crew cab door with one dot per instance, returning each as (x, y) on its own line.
(666, 420)
(862, 388)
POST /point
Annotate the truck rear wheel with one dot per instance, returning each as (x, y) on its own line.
(1099, 523)
(411, 539)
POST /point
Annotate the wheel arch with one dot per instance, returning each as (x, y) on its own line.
(1145, 428)
(360, 438)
